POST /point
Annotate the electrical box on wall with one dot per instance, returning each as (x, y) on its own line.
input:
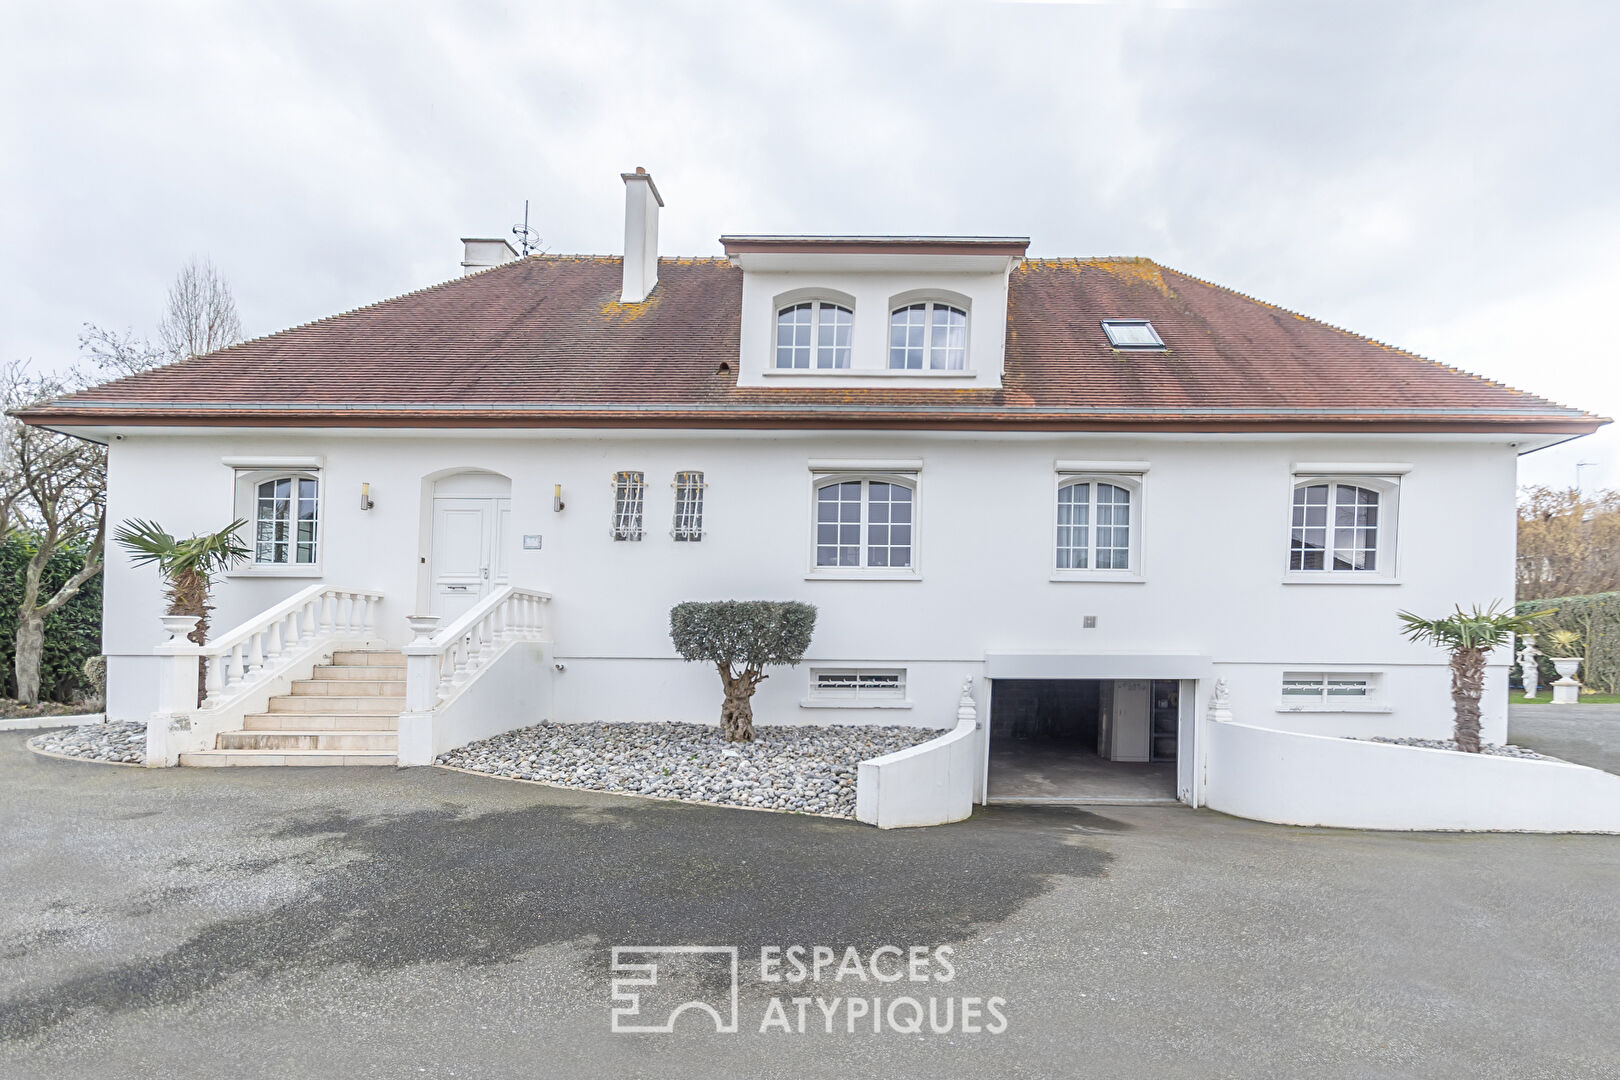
(531, 542)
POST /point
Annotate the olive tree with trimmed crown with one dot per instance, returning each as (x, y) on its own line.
(741, 638)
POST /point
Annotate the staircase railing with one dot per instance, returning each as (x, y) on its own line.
(262, 645)
(240, 666)
(440, 661)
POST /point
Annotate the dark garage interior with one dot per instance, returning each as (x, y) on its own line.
(1083, 740)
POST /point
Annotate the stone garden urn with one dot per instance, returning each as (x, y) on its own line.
(1566, 691)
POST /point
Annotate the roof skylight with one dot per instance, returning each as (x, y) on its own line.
(1132, 334)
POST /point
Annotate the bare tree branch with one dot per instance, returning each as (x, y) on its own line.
(201, 314)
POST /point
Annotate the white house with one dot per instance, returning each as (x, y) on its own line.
(1093, 487)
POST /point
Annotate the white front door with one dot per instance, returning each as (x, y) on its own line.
(469, 551)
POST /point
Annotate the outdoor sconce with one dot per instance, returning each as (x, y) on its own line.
(365, 497)
(556, 499)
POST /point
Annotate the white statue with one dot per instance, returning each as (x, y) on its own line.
(1220, 702)
(1529, 669)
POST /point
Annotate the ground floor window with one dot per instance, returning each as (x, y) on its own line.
(286, 521)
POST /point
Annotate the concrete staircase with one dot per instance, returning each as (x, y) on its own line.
(347, 714)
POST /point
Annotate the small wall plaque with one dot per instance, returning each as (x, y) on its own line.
(531, 542)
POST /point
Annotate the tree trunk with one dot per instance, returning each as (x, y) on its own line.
(30, 646)
(188, 595)
(737, 711)
(1467, 686)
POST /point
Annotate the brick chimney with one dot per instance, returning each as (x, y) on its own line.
(641, 203)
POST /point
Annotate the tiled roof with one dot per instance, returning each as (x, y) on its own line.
(544, 341)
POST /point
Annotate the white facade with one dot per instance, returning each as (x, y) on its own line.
(1210, 577)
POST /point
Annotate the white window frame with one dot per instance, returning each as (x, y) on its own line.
(629, 506)
(1370, 702)
(911, 479)
(1386, 551)
(816, 303)
(895, 696)
(1133, 481)
(1157, 345)
(929, 304)
(687, 524)
(245, 502)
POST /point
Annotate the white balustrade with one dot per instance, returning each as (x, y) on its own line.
(439, 661)
(263, 645)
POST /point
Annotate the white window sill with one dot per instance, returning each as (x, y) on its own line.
(1335, 709)
(301, 570)
(878, 373)
(1119, 577)
(813, 704)
(1340, 577)
(862, 575)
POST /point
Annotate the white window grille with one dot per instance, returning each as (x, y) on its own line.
(857, 684)
(688, 487)
(814, 334)
(1335, 527)
(286, 521)
(629, 491)
(865, 524)
(928, 335)
(1301, 688)
(1093, 526)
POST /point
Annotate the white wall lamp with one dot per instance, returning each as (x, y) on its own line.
(557, 503)
(365, 497)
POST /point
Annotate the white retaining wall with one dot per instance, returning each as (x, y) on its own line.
(513, 690)
(1297, 779)
(931, 784)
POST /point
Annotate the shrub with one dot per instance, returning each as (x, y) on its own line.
(72, 633)
(1596, 619)
(741, 638)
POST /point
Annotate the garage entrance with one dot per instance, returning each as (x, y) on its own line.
(1085, 740)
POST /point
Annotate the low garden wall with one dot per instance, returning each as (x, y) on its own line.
(930, 784)
(1298, 779)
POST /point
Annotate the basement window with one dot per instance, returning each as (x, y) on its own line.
(857, 688)
(1132, 334)
(1330, 691)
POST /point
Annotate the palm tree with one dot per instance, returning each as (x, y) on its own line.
(1470, 636)
(188, 566)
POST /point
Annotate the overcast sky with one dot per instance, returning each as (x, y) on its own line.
(1442, 176)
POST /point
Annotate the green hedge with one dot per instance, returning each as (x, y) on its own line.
(1597, 619)
(72, 634)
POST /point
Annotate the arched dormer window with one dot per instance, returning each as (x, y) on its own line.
(929, 335)
(813, 334)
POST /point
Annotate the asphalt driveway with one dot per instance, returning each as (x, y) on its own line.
(389, 923)
(1584, 734)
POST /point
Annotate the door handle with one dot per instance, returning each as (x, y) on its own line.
(486, 573)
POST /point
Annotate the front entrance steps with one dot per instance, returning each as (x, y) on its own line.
(346, 714)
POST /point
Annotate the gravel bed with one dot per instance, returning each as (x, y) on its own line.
(1493, 749)
(808, 769)
(125, 742)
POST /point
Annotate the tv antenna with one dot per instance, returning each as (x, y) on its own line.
(528, 239)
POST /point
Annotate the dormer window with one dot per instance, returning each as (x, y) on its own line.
(814, 334)
(928, 335)
(1132, 334)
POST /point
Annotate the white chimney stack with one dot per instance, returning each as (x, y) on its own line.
(641, 203)
(481, 254)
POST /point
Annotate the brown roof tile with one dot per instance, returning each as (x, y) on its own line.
(544, 341)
